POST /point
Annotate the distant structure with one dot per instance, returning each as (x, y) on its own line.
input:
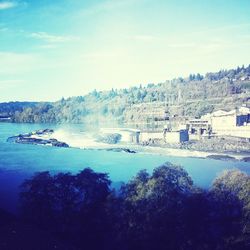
(232, 123)
(198, 128)
(177, 129)
(151, 136)
(177, 136)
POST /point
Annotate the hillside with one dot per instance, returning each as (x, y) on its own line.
(191, 96)
(9, 108)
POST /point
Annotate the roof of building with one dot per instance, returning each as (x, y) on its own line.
(240, 111)
(223, 113)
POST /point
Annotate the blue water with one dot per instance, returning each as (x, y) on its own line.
(18, 161)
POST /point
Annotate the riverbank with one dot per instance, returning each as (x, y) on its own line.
(232, 156)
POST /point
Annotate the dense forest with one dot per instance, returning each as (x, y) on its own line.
(191, 96)
(162, 210)
(9, 108)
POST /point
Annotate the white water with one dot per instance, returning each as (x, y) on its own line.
(79, 140)
(88, 140)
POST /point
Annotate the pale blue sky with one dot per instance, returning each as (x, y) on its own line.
(50, 49)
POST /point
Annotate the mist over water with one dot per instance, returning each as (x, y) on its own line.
(77, 139)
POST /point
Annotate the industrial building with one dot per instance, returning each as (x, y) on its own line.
(177, 136)
(232, 123)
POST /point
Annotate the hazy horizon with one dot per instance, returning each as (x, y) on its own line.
(65, 48)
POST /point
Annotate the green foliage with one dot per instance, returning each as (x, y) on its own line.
(234, 187)
(162, 210)
(49, 201)
(153, 207)
(9, 108)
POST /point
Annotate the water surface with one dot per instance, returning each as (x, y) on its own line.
(19, 161)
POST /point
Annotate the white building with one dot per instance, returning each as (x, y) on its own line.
(177, 136)
(233, 123)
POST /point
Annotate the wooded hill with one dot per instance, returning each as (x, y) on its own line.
(191, 96)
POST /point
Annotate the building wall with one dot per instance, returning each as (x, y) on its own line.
(223, 122)
(176, 136)
(231, 125)
(145, 136)
(172, 137)
(194, 137)
(240, 131)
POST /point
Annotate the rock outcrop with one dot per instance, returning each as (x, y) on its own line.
(39, 138)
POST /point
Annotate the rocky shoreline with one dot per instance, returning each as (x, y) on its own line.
(219, 145)
(38, 138)
(216, 148)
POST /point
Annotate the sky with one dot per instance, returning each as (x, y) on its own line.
(61, 48)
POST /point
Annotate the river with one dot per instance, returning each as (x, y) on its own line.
(19, 161)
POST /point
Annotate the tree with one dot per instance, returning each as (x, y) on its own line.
(231, 193)
(93, 187)
(153, 207)
(38, 200)
(70, 205)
